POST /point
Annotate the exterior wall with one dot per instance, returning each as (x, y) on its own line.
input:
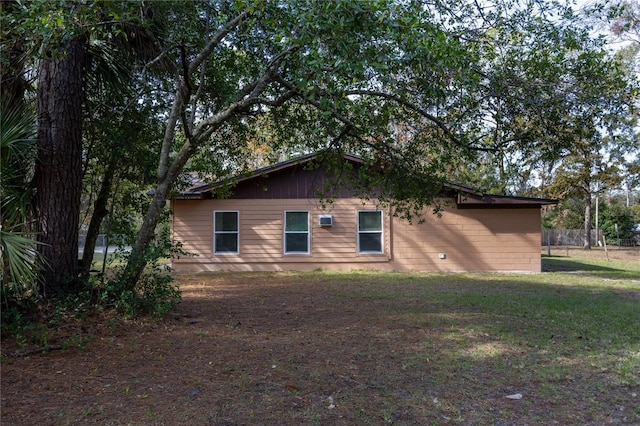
(505, 239)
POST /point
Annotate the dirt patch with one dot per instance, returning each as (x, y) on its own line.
(262, 349)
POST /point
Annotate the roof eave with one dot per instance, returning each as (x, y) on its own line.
(465, 196)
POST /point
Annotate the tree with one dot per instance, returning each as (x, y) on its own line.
(620, 19)
(631, 178)
(617, 223)
(275, 57)
(607, 117)
(118, 143)
(569, 214)
(58, 175)
(558, 113)
(117, 156)
(65, 36)
(435, 71)
(13, 82)
(407, 85)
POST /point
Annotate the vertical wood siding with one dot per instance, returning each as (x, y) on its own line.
(471, 239)
(295, 182)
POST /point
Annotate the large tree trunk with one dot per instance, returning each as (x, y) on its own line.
(58, 175)
(587, 221)
(137, 260)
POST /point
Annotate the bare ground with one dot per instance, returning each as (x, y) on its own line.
(262, 349)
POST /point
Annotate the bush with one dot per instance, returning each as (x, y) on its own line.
(154, 293)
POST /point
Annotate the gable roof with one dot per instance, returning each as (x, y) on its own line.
(197, 191)
(464, 196)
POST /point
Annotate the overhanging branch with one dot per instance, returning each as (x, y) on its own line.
(249, 96)
(216, 39)
(413, 107)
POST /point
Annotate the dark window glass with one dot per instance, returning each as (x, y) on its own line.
(370, 232)
(227, 243)
(296, 232)
(371, 242)
(297, 221)
(226, 234)
(226, 221)
(296, 243)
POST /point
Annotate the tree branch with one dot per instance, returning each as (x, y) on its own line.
(250, 89)
(169, 134)
(203, 69)
(177, 109)
(249, 96)
(216, 39)
(334, 113)
(439, 123)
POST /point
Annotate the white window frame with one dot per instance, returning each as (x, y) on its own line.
(285, 232)
(381, 232)
(215, 232)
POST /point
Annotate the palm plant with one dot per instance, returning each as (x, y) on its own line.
(19, 259)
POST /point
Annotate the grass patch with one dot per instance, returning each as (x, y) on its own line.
(601, 267)
(361, 347)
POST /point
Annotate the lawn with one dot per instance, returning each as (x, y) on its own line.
(560, 347)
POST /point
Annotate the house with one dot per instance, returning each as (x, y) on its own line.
(273, 220)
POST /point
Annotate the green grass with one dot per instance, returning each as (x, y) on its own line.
(547, 333)
(601, 267)
(559, 335)
(390, 348)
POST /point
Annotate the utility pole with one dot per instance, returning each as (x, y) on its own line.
(597, 207)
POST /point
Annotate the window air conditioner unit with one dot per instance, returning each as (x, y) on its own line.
(325, 219)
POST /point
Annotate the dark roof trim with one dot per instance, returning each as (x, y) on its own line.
(466, 197)
(470, 201)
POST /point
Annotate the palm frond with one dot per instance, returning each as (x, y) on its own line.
(20, 262)
(108, 67)
(17, 138)
(18, 255)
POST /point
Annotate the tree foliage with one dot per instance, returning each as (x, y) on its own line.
(18, 254)
(416, 87)
(617, 223)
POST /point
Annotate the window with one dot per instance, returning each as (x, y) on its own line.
(226, 232)
(370, 231)
(296, 232)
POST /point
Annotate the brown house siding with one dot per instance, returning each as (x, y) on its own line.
(292, 183)
(471, 240)
(504, 239)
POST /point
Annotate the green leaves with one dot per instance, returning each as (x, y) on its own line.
(17, 155)
(20, 267)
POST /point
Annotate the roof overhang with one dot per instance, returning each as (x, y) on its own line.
(464, 196)
(204, 191)
(488, 201)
